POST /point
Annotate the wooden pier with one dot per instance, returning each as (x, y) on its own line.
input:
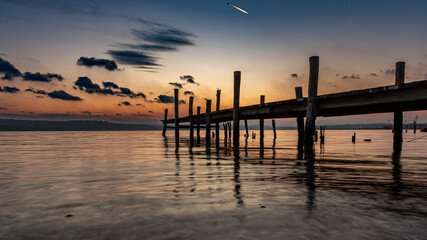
(395, 98)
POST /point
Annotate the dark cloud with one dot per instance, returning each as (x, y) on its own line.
(8, 70)
(150, 111)
(42, 92)
(150, 37)
(91, 62)
(86, 84)
(388, 71)
(61, 94)
(167, 99)
(86, 113)
(39, 77)
(3, 108)
(352, 76)
(135, 58)
(294, 75)
(189, 93)
(118, 114)
(188, 79)
(110, 85)
(373, 74)
(125, 103)
(176, 84)
(9, 89)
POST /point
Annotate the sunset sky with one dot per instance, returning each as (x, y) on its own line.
(120, 60)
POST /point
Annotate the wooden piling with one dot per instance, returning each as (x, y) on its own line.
(300, 122)
(311, 112)
(261, 120)
(236, 117)
(198, 125)
(208, 123)
(165, 123)
(218, 104)
(190, 114)
(398, 115)
(225, 134)
(273, 123)
(229, 130)
(176, 95)
(246, 128)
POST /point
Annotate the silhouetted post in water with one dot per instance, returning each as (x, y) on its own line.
(398, 116)
(415, 126)
(229, 130)
(310, 121)
(353, 138)
(190, 114)
(176, 94)
(236, 117)
(246, 128)
(198, 125)
(300, 124)
(218, 103)
(164, 123)
(225, 134)
(273, 123)
(208, 123)
(322, 134)
(261, 123)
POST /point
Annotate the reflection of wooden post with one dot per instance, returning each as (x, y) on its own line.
(229, 130)
(236, 117)
(164, 123)
(218, 104)
(225, 134)
(176, 94)
(310, 121)
(300, 122)
(208, 123)
(198, 125)
(190, 114)
(273, 123)
(246, 128)
(398, 115)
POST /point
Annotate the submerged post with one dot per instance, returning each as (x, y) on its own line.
(261, 124)
(246, 128)
(190, 114)
(176, 94)
(198, 125)
(236, 117)
(164, 123)
(273, 123)
(300, 121)
(229, 130)
(208, 123)
(225, 134)
(398, 115)
(218, 104)
(310, 121)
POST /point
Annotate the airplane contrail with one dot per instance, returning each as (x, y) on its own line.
(238, 8)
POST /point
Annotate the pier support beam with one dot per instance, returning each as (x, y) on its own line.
(273, 123)
(310, 121)
(398, 115)
(164, 123)
(236, 117)
(300, 124)
(246, 128)
(261, 124)
(198, 125)
(225, 134)
(208, 123)
(190, 114)
(218, 104)
(176, 95)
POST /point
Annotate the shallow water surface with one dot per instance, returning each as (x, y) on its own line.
(138, 185)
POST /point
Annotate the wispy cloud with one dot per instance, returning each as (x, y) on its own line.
(97, 62)
(188, 79)
(61, 94)
(86, 84)
(40, 77)
(8, 70)
(352, 76)
(167, 99)
(9, 89)
(176, 84)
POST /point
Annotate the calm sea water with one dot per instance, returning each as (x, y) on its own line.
(137, 185)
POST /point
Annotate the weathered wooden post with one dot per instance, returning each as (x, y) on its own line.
(300, 121)
(273, 123)
(208, 123)
(398, 115)
(261, 120)
(164, 123)
(190, 115)
(176, 94)
(225, 134)
(236, 117)
(246, 128)
(198, 125)
(310, 121)
(218, 104)
(229, 130)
